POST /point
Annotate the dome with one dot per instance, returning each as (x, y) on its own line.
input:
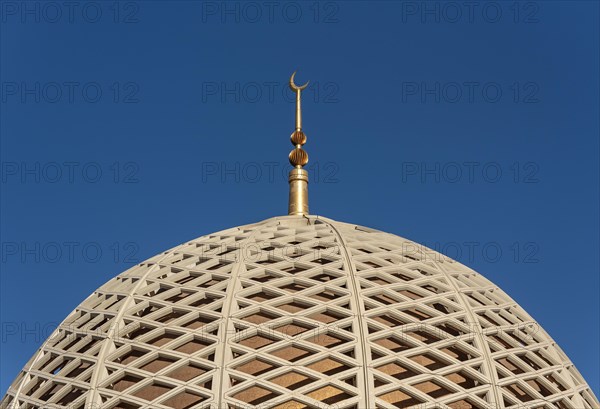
(299, 312)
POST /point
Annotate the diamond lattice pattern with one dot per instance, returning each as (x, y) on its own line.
(294, 313)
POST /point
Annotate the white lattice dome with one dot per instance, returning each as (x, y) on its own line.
(297, 312)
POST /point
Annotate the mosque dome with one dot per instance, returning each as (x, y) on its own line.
(299, 312)
(294, 312)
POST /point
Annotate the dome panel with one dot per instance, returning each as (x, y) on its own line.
(299, 312)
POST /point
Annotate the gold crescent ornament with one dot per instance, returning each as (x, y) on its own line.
(295, 87)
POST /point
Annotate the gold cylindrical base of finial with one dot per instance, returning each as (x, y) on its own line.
(298, 180)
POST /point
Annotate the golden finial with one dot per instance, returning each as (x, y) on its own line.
(298, 178)
(298, 157)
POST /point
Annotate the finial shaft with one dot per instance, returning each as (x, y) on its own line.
(298, 178)
(298, 111)
(298, 203)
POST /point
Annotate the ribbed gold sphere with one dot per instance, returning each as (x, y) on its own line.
(298, 157)
(298, 138)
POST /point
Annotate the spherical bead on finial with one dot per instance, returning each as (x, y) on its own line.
(298, 157)
(298, 138)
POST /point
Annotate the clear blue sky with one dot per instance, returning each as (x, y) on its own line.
(126, 131)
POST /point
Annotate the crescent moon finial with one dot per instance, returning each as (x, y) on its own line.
(293, 85)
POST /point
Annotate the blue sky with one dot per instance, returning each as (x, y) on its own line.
(128, 129)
